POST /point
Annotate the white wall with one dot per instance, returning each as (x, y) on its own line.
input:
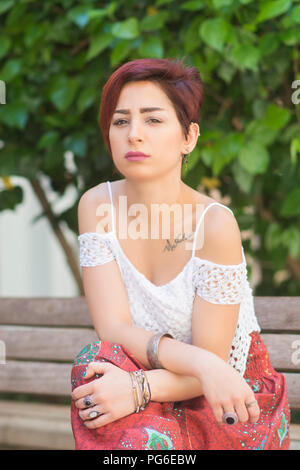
(32, 262)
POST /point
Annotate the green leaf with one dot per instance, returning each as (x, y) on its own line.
(294, 149)
(79, 15)
(86, 98)
(153, 22)
(207, 155)
(10, 198)
(62, 91)
(291, 239)
(226, 150)
(271, 9)
(214, 33)
(128, 29)
(99, 13)
(291, 204)
(48, 139)
(256, 130)
(226, 71)
(273, 236)
(120, 51)
(276, 118)
(76, 143)
(34, 32)
(6, 5)
(193, 5)
(292, 18)
(151, 47)
(242, 177)
(268, 43)
(245, 56)
(254, 157)
(53, 159)
(11, 69)
(98, 44)
(217, 4)
(162, 2)
(14, 115)
(290, 37)
(5, 44)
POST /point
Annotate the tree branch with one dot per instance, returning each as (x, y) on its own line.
(71, 259)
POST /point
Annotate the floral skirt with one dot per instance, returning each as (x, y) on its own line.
(188, 424)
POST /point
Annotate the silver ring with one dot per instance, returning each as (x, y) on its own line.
(94, 414)
(247, 405)
(88, 401)
(230, 418)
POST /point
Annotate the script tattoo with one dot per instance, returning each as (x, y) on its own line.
(170, 247)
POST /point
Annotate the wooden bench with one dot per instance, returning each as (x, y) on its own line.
(42, 336)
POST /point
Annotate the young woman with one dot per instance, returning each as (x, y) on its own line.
(210, 383)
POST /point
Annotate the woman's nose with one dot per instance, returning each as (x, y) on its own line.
(135, 132)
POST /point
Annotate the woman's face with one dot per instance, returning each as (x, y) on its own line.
(155, 132)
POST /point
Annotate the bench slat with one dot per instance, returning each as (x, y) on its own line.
(55, 379)
(50, 344)
(36, 377)
(45, 311)
(273, 313)
(41, 426)
(63, 344)
(278, 313)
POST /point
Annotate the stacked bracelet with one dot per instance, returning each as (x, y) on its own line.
(141, 389)
(152, 350)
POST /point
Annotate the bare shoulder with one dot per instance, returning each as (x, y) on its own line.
(222, 241)
(87, 208)
(94, 204)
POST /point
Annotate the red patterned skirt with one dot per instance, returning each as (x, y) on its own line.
(188, 424)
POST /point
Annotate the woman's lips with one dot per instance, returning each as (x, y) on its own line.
(134, 156)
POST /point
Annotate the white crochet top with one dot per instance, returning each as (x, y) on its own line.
(168, 307)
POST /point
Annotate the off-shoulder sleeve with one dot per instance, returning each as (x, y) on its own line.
(94, 249)
(219, 283)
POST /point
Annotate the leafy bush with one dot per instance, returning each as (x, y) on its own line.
(55, 57)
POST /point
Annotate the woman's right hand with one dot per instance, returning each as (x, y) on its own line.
(226, 390)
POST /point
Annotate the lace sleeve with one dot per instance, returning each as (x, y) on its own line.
(219, 283)
(94, 249)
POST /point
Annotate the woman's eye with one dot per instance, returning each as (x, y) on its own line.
(116, 123)
(153, 119)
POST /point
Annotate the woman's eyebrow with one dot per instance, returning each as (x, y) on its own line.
(142, 110)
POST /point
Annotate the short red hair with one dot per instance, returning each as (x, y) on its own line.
(182, 84)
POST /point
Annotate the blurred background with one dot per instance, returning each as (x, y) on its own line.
(55, 57)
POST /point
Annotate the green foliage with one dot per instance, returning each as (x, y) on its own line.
(55, 57)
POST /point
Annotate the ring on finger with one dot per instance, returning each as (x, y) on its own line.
(94, 414)
(251, 403)
(230, 418)
(88, 402)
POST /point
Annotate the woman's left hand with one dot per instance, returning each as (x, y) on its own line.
(111, 395)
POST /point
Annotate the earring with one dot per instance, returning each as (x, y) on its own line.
(186, 160)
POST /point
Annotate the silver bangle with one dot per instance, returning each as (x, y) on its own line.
(152, 350)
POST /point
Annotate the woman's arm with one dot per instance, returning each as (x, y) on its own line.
(168, 386)
(213, 325)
